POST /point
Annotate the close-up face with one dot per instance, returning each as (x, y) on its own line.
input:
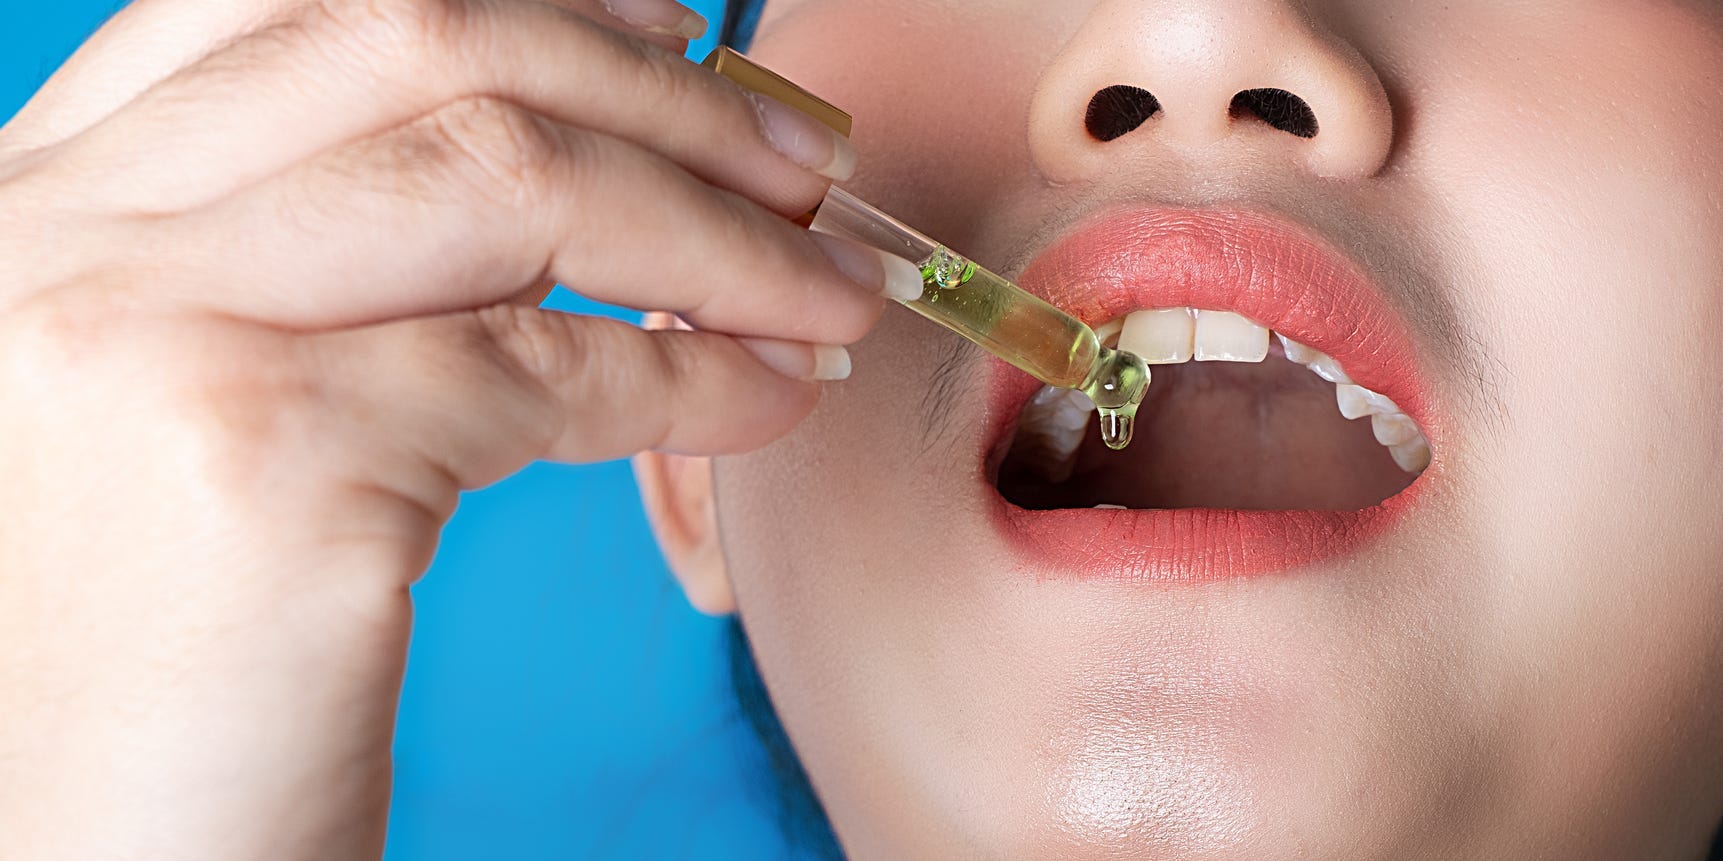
(1495, 636)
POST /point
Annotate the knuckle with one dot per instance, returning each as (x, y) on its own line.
(531, 344)
(712, 106)
(676, 360)
(505, 149)
(527, 348)
(660, 75)
(599, 167)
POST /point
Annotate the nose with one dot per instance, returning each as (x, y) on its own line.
(1214, 80)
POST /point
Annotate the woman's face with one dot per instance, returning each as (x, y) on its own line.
(1515, 210)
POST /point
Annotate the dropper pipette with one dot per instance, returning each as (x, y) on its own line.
(1004, 319)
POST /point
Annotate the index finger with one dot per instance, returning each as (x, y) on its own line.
(149, 40)
(342, 71)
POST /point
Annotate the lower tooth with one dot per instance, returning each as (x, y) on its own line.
(1108, 506)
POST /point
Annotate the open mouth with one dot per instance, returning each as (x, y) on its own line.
(1236, 418)
(1286, 423)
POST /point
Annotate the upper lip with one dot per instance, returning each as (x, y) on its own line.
(1262, 267)
(1265, 268)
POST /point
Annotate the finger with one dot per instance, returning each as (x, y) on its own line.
(670, 23)
(149, 40)
(474, 204)
(481, 394)
(346, 70)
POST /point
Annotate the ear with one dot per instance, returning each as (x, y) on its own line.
(677, 493)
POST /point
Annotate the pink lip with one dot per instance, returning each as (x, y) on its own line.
(1269, 271)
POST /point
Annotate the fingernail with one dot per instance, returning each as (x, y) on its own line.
(903, 280)
(799, 361)
(805, 140)
(831, 363)
(886, 274)
(660, 16)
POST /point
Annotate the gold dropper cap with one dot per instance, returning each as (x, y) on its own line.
(754, 77)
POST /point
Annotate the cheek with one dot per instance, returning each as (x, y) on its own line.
(1588, 195)
(1583, 201)
(1577, 205)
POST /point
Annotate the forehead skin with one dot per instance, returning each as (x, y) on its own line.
(1523, 670)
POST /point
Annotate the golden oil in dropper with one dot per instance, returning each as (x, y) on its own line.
(1031, 334)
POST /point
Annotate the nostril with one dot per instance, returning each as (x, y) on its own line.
(1118, 110)
(1278, 108)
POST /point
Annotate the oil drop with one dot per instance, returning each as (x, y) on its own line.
(1120, 382)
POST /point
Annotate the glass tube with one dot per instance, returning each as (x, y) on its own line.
(1001, 317)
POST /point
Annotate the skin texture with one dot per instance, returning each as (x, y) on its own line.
(1524, 669)
(269, 276)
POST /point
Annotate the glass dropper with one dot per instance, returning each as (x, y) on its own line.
(1001, 317)
(1004, 319)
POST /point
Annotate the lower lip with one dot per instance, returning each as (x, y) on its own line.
(1194, 545)
(1186, 545)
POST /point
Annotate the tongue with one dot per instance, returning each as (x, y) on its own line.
(1265, 437)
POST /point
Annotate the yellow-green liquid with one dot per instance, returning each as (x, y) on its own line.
(1042, 340)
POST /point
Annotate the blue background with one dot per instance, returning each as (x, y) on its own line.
(562, 699)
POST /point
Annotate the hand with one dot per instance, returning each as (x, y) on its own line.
(268, 303)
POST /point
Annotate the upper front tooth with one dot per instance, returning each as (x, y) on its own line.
(1222, 336)
(1163, 337)
(1357, 402)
